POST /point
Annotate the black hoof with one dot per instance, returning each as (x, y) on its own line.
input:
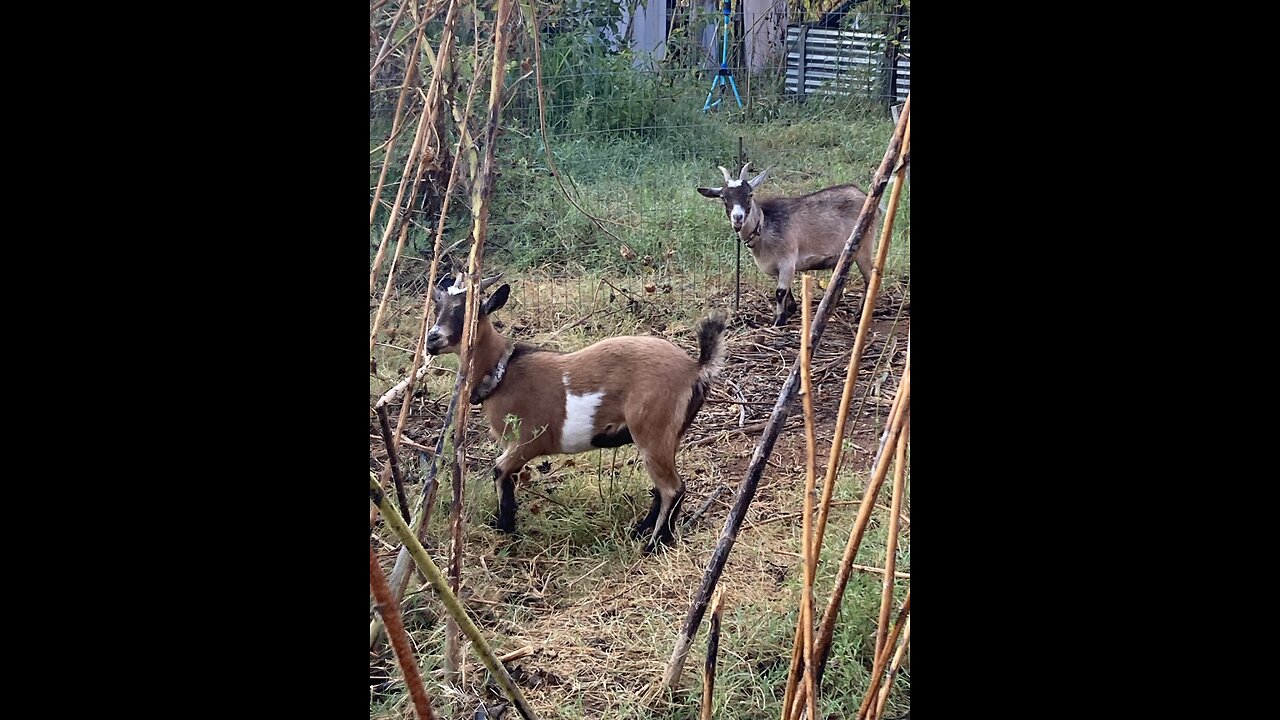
(509, 527)
(665, 540)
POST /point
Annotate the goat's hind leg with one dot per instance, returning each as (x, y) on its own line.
(668, 496)
(785, 301)
(645, 526)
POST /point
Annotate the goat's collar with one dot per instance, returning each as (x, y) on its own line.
(493, 378)
(758, 217)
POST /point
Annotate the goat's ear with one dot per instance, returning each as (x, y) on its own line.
(499, 298)
(710, 192)
(757, 180)
(437, 295)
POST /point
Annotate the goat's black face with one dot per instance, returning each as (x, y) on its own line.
(737, 195)
(451, 312)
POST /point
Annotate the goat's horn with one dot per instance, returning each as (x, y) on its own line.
(488, 282)
(727, 178)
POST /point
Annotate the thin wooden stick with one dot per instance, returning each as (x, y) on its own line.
(879, 470)
(481, 195)
(411, 62)
(891, 546)
(893, 671)
(435, 253)
(386, 43)
(860, 340)
(689, 521)
(807, 548)
(781, 409)
(401, 388)
(428, 17)
(390, 610)
(880, 571)
(423, 126)
(400, 573)
(394, 219)
(878, 666)
(517, 654)
(406, 385)
(713, 648)
(394, 461)
(883, 658)
(417, 153)
(850, 380)
(451, 604)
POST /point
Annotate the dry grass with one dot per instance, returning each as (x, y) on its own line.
(572, 584)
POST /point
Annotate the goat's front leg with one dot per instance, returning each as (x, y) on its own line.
(785, 301)
(504, 481)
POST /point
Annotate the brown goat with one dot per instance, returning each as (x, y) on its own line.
(622, 390)
(786, 234)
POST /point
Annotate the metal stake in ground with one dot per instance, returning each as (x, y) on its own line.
(737, 275)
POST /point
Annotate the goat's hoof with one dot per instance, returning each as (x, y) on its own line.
(497, 524)
(664, 541)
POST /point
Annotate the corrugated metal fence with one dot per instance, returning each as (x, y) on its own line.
(823, 61)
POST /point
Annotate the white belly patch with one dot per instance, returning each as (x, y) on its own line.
(579, 419)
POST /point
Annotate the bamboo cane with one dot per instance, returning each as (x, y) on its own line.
(891, 546)
(481, 195)
(822, 646)
(451, 604)
(864, 515)
(893, 671)
(390, 610)
(410, 62)
(883, 658)
(846, 397)
(807, 549)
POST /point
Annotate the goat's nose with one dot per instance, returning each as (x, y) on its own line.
(433, 336)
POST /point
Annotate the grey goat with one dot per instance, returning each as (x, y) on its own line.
(786, 234)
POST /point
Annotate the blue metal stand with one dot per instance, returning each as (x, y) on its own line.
(723, 76)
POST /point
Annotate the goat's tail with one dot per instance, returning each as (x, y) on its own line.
(711, 346)
(711, 353)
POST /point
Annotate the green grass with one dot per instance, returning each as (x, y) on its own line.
(647, 187)
(642, 184)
